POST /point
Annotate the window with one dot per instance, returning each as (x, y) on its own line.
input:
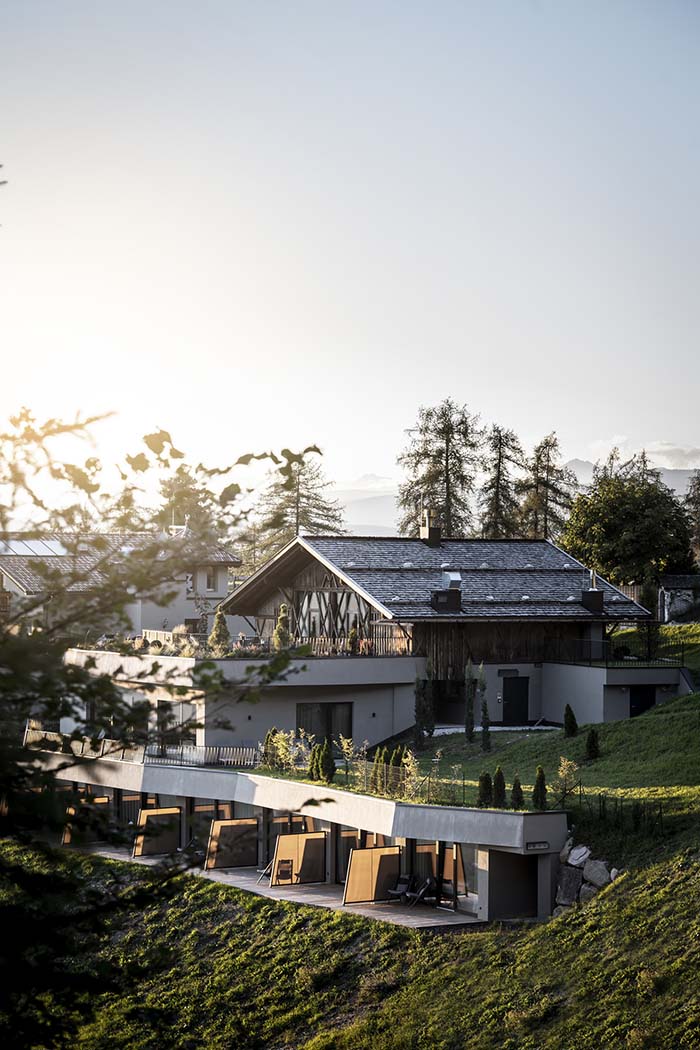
(211, 578)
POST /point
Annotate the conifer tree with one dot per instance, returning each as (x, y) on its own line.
(546, 491)
(539, 792)
(517, 800)
(485, 797)
(485, 726)
(440, 461)
(692, 507)
(498, 503)
(285, 511)
(570, 723)
(499, 789)
(281, 638)
(219, 641)
(592, 745)
(469, 692)
(314, 773)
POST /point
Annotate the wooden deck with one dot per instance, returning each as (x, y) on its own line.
(321, 895)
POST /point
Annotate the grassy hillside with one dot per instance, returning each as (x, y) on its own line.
(217, 968)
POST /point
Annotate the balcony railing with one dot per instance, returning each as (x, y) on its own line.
(625, 651)
(150, 754)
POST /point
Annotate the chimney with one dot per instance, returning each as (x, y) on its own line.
(592, 599)
(449, 599)
(430, 531)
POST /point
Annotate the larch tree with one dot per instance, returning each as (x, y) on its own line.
(546, 491)
(441, 461)
(498, 502)
(285, 510)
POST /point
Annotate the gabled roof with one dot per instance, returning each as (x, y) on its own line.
(500, 579)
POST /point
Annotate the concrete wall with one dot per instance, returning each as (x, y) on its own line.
(581, 687)
(378, 712)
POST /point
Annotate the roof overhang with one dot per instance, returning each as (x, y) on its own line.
(286, 564)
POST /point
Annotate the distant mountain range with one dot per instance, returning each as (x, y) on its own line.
(371, 508)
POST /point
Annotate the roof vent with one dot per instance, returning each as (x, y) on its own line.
(349, 564)
(484, 565)
(571, 598)
(525, 598)
(452, 580)
(529, 565)
(566, 565)
(445, 565)
(448, 601)
(490, 598)
(408, 565)
(430, 531)
(615, 598)
(592, 599)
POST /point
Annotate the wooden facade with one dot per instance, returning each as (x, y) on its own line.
(448, 646)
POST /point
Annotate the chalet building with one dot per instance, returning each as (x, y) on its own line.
(535, 617)
(29, 567)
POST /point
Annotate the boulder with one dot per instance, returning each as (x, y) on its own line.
(578, 856)
(566, 850)
(570, 880)
(597, 873)
(560, 910)
(587, 893)
(613, 874)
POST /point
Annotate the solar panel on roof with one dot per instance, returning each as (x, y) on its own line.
(55, 547)
(38, 547)
(19, 547)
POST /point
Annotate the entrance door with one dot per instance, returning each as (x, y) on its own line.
(642, 697)
(516, 693)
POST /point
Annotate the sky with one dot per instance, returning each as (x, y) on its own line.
(270, 224)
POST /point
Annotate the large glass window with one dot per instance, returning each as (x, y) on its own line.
(325, 721)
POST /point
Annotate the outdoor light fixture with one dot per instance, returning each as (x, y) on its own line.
(537, 845)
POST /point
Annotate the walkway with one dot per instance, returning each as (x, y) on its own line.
(320, 895)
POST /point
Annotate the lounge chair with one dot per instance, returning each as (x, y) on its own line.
(404, 884)
(425, 892)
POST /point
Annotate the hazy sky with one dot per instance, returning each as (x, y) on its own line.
(263, 223)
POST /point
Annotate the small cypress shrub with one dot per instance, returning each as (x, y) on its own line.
(516, 794)
(219, 641)
(592, 745)
(499, 789)
(313, 762)
(570, 723)
(485, 791)
(539, 792)
(485, 726)
(326, 763)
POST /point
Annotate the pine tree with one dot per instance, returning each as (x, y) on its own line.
(500, 511)
(284, 512)
(485, 796)
(546, 491)
(219, 641)
(314, 772)
(440, 462)
(280, 636)
(517, 800)
(592, 745)
(469, 692)
(485, 726)
(570, 723)
(499, 789)
(539, 792)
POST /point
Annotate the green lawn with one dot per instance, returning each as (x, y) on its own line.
(220, 969)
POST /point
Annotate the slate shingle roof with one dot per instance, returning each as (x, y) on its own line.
(511, 579)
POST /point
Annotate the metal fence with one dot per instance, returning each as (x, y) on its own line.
(648, 649)
(191, 755)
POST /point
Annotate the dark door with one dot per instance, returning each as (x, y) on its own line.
(516, 693)
(642, 697)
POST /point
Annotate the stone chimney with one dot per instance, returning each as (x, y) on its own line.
(430, 531)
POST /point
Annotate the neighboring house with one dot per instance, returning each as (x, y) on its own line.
(679, 599)
(26, 563)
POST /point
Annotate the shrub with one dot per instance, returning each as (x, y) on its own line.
(570, 723)
(376, 779)
(539, 792)
(517, 800)
(314, 771)
(219, 641)
(353, 641)
(425, 714)
(469, 691)
(499, 789)
(592, 745)
(485, 791)
(485, 726)
(280, 636)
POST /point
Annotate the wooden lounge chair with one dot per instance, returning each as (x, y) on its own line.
(426, 892)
